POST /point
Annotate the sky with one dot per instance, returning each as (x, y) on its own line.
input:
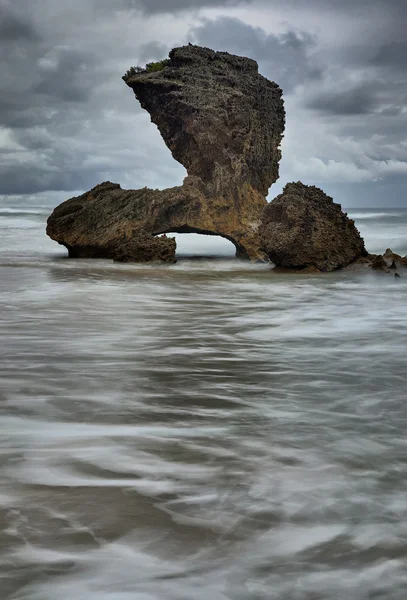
(69, 122)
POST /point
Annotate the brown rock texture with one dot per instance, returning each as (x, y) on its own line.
(303, 228)
(394, 260)
(379, 264)
(389, 261)
(144, 247)
(221, 120)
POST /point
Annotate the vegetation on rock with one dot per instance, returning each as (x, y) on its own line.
(151, 67)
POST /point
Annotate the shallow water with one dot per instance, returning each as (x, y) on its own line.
(209, 430)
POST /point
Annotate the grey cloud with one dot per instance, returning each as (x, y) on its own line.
(67, 75)
(391, 193)
(15, 27)
(284, 58)
(56, 91)
(36, 138)
(37, 74)
(393, 111)
(359, 100)
(391, 128)
(59, 175)
(392, 55)
(73, 123)
(37, 94)
(390, 7)
(15, 180)
(381, 91)
(71, 156)
(371, 54)
(167, 6)
(152, 51)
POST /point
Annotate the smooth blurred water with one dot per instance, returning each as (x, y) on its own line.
(210, 430)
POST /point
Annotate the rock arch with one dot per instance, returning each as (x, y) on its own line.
(239, 250)
(224, 122)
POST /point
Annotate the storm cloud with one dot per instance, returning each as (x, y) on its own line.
(358, 100)
(286, 58)
(157, 6)
(68, 122)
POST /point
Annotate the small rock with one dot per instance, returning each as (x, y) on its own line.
(397, 275)
(395, 259)
(310, 269)
(390, 255)
(379, 264)
(144, 247)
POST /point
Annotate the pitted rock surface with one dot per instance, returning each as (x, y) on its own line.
(144, 247)
(219, 117)
(303, 228)
(224, 122)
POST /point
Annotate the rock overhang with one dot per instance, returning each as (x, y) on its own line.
(224, 123)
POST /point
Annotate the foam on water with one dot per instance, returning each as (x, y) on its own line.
(377, 215)
(207, 430)
(40, 210)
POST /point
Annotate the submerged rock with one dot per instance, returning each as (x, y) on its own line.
(389, 261)
(308, 270)
(303, 228)
(379, 264)
(143, 247)
(224, 122)
(395, 260)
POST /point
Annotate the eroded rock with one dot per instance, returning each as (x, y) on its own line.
(379, 264)
(394, 260)
(222, 121)
(143, 247)
(304, 228)
(389, 261)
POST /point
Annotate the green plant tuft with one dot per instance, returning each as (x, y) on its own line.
(151, 67)
(133, 71)
(157, 66)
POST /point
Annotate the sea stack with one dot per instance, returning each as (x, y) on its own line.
(224, 122)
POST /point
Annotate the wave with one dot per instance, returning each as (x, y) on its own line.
(376, 215)
(20, 222)
(23, 211)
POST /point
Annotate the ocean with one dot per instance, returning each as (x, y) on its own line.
(210, 430)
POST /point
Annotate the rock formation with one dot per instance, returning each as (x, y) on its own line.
(224, 122)
(394, 260)
(379, 264)
(303, 228)
(389, 261)
(144, 247)
(221, 120)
